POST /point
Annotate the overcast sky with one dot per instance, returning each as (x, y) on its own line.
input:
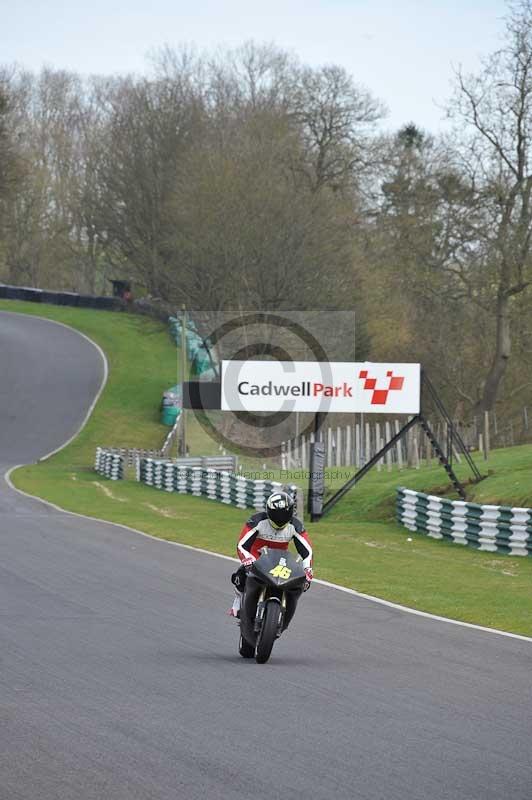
(403, 51)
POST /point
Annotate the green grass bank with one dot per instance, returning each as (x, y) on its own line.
(358, 545)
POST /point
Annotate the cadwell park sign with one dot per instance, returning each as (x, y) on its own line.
(283, 387)
(334, 387)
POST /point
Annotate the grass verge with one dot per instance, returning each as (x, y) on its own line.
(358, 545)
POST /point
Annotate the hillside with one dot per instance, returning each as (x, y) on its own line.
(359, 545)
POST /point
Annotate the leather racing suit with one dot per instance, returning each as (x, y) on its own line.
(259, 532)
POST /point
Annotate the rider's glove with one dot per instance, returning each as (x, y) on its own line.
(306, 585)
(248, 562)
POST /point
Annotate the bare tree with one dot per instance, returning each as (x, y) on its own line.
(494, 112)
(337, 121)
(254, 77)
(42, 241)
(456, 222)
(149, 126)
(10, 164)
(247, 234)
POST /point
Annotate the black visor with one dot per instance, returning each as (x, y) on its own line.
(280, 509)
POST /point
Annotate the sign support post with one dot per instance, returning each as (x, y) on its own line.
(183, 441)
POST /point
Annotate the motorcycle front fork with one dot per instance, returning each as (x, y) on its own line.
(261, 608)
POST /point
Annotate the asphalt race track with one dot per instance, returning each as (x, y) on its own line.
(119, 676)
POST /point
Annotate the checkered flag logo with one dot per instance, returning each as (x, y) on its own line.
(380, 396)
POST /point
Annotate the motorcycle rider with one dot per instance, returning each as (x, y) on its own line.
(275, 527)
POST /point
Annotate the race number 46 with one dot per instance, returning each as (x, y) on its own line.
(281, 572)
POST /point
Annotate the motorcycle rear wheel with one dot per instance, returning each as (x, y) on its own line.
(246, 649)
(268, 632)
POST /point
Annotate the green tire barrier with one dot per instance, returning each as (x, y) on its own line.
(496, 529)
(169, 415)
(109, 464)
(171, 405)
(197, 353)
(226, 487)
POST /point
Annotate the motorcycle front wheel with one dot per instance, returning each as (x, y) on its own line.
(268, 632)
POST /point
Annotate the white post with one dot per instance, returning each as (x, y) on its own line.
(486, 435)
(357, 445)
(388, 434)
(367, 453)
(416, 448)
(398, 445)
(339, 447)
(348, 454)
(378, 444)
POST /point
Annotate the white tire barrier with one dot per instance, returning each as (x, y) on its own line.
(496, 529)
(225, 487)
(109, 464)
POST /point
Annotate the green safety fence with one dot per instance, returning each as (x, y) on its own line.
(202, 361)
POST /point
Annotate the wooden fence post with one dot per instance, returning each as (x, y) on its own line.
(486, 435)
(388, 435)
(410, 448)
(348, 453)
(398, 445)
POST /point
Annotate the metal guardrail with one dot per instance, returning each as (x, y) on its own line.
(130, 455)
(61, 298)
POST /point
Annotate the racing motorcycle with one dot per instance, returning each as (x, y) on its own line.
(273, 587)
